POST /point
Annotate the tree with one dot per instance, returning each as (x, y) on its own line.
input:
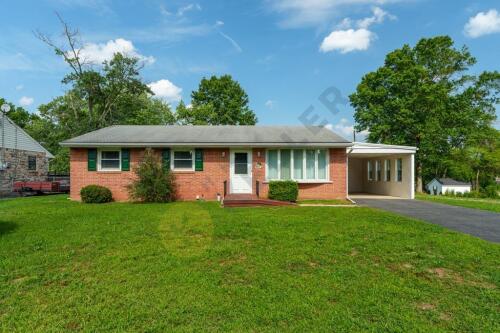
(478, 161)
(218, 101)
(424, 96)
(100, 95)
(18, 114)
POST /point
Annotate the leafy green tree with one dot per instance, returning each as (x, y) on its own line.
(478, 161)
(99, 95)
(425, 97)
(17, 114)
(218, 101)
(201, 115)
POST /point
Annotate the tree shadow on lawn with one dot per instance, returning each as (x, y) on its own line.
(7, 227)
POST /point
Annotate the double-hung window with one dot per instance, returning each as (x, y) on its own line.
(399, 169)
(370, 170)
(32, 163)
(297, 164)
(378, 170)
(109, 160)
(387, 170)
(182, 160)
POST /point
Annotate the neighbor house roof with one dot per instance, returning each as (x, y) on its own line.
(14, 137)
(451, 182)
(208, 136)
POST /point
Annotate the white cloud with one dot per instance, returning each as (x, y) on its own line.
(379, 15)
(345, 129)
(347, 40)
(19, 87)
(483, 23)
(301, 13)
(192, 6)
(26, 101)
(98, 53)
(166, 90)
(359, 39)
(269, 104)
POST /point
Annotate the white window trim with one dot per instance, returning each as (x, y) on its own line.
(303, 179)
(172, 159)
(99, 157)
(387, 163)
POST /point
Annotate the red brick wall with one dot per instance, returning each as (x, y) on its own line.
(336, 189)
(116, 181)
(206, 183)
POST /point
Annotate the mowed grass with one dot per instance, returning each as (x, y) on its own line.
(194, 266)
(484, 204)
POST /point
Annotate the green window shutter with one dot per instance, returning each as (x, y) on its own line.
(125, 159)
(198, 159)
(91, 159)
(165, 158)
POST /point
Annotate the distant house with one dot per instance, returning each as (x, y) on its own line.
(22, 158)
(443, 185)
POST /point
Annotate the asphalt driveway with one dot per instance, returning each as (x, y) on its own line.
(479, 223)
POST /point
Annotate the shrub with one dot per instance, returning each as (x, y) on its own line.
(491, 191)
(154, 183)
(283, 190)
(96, 194)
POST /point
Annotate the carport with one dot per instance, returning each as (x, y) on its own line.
(379, 171)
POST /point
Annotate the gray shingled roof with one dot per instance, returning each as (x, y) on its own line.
(208, 136)
(450, 181)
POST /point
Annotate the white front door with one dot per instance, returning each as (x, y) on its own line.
(241, 171)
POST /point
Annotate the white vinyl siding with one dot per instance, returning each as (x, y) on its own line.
(16, 138)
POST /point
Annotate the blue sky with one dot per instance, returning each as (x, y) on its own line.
(285, 53)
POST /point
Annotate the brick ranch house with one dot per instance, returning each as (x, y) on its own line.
(208, 161)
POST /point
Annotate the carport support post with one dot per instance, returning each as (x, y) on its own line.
(412, 182)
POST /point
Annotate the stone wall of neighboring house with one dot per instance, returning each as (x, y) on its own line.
(18, 170)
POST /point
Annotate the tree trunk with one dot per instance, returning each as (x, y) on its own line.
(476, 185)
(420, 185)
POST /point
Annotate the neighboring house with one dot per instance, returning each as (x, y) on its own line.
(443, 185)
(22, 158)
(212, 160)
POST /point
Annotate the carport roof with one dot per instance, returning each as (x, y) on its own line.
(374, 149)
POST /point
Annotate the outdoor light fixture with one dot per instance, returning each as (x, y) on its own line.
(223, 154)
(258, 153)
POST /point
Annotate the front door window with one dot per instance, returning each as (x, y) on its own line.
(240, 163)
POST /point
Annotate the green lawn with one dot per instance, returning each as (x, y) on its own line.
(197, 267)
(485, 204)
